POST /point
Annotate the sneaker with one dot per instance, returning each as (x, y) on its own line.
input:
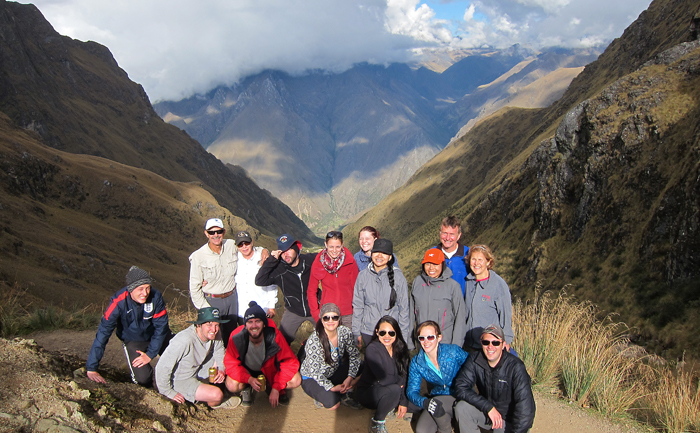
(377, 426)
(391, 415)
(284, 400)
(350, 402)
(247, 397)
(231, 403)
(318, 404)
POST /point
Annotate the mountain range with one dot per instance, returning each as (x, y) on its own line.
(330, 146)
(94, 181)
(595, 195)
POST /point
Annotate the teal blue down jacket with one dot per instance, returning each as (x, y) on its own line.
(450, 358)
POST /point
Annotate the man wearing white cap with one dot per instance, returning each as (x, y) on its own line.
(213, 275)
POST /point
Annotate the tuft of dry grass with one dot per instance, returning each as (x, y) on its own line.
(675, 403)
(565, 346)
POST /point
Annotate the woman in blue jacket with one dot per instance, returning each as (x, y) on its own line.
(438, 364)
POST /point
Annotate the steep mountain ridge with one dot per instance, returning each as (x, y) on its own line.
(596, 194)
(332, 145)
(77, 99)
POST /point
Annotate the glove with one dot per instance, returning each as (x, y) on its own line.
(434, 407)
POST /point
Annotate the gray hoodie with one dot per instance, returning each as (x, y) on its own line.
(439, 299)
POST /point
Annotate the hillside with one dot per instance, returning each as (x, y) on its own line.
(77, 99)
(332, 145)
(93, 181)
(595, 194)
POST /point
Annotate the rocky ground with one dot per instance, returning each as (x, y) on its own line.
(45, 390)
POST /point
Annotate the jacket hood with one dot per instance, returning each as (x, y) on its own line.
(446, 273)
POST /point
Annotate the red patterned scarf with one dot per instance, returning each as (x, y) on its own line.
(329, 264)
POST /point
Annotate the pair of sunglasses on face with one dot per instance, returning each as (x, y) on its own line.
(427, 337)
(215, 232)
(494, 343)
(329, 318)
(383, 333)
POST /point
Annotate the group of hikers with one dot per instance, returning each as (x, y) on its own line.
(456, 320)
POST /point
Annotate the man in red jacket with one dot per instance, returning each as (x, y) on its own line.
(258, 348)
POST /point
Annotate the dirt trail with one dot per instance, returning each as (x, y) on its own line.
(300, 416)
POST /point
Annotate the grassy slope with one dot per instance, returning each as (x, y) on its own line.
(73, 224)
(75, 96)
(483, 179)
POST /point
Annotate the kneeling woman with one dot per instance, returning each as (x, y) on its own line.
(325, 377)
(438, 364)
(382, 385)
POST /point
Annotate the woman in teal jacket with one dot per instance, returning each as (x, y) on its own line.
(438, 364)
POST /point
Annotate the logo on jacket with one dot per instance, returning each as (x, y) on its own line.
(148, 308)
(485, 298)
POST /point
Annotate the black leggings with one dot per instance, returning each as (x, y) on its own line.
(327, 398)
(382, 398)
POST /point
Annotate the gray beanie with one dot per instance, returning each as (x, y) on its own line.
(137, 277)
(329, 308)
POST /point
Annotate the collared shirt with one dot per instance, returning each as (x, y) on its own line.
(218, 270)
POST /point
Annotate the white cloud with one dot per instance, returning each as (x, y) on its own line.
(179, 47)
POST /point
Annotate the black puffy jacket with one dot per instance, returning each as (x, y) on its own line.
(506, 387)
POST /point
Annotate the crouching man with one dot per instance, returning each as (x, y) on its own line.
(182, 373)
(140, 318)
(504, 402)
(258, 348)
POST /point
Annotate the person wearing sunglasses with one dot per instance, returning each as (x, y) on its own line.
(437, 363)
(504, 402)
(487, 299)
(335, 269)
(250, 257)
(382, 385)
(366, 238)
(380, 290)
(213, 270)
(435, 296)
(331, 362)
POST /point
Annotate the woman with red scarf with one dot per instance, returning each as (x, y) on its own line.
(336, 271)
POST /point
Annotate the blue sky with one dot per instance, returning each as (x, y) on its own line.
(176, 48)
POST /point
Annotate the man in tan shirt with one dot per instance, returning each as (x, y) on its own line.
(212, 275)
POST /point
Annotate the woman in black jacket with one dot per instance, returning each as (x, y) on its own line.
(382, 385)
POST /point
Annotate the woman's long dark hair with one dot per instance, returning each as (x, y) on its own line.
(400, 350)
(323, 337)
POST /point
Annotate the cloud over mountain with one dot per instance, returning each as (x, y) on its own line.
(176, 48)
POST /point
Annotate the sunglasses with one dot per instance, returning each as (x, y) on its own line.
(329, 318)
(427, 337)
(334, 234)
(216, 232)
(383, 333)
(244, 244)
(494, 343)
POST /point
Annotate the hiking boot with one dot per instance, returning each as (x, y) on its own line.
(377, 426)
(408, 417)
(231, 403)
(347, 400)
(284, 399)
(247, 397)
(318, 404)
(391, 415)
